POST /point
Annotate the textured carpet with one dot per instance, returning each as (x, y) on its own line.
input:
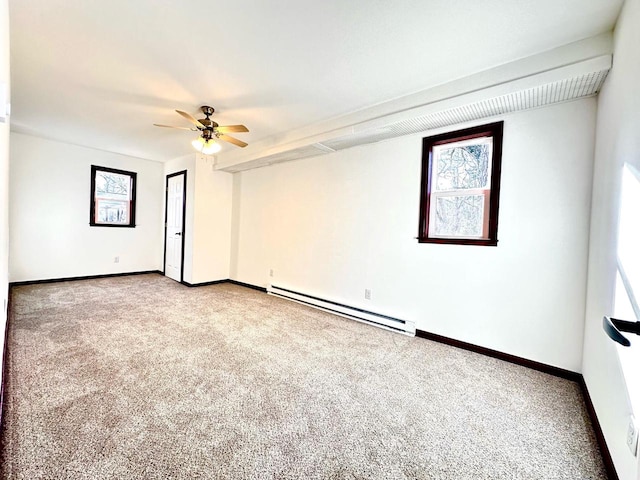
(141, 377)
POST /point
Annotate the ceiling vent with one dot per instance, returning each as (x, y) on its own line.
(561, 91)
(571, 82)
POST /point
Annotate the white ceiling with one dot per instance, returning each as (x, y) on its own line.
(99, 74)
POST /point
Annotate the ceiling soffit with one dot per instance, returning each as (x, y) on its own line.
(573, 80)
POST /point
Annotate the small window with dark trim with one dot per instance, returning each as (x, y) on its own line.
(461, 186)
(113, 197)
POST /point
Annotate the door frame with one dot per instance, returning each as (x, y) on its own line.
(184, 217)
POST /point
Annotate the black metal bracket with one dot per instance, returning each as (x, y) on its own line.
(613, 327)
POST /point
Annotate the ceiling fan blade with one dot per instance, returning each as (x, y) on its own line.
(190, 118)
(232, 128)
(235, 141)
(179, 128)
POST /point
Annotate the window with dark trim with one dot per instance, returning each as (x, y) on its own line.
(461, 186)
(113, 198)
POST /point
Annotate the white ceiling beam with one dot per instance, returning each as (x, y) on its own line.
(592, 54)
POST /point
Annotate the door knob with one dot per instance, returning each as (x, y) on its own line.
(613, 327)
(178, 233)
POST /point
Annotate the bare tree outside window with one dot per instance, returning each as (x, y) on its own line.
(112, 197)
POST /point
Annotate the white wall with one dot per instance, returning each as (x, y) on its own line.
(212, 236)
(208, 218)
(334, 225)
(4, 176)
(49, 213)
(617, 141)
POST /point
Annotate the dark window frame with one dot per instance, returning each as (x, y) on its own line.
(132, 201)
(494, 130)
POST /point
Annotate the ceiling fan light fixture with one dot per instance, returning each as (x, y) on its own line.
(198, 143)
(211, 147)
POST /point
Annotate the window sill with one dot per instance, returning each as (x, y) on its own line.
(459, 241)
(110, 225)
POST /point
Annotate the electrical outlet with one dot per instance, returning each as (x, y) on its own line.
(632, 436)
(367, 294)
(116, 260)
(271, 272)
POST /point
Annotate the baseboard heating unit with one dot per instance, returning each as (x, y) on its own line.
(353, 313)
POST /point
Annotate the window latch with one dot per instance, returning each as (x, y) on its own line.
(613, 328)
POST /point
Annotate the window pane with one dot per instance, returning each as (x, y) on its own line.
(629, 233)
(111, 211)
(463, 165)
(461, 186)
(458, 216)
(113, 186)
(113, 197)
(113, 192)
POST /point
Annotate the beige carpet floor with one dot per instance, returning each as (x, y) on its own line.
(142, 378)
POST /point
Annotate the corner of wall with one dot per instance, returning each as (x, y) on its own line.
(4, 178)
(618, 120)
(235, 225)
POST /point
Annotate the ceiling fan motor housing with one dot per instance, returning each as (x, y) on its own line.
(207, 133)
(209, 124)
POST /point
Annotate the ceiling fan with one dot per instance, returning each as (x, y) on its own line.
(210, 131)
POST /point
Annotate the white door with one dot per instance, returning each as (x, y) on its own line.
(174, 228)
